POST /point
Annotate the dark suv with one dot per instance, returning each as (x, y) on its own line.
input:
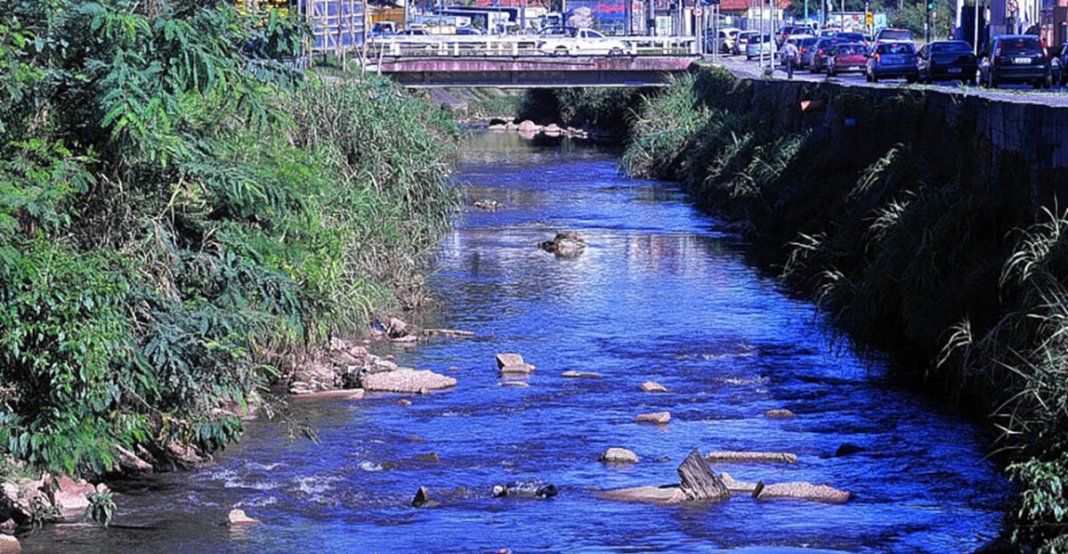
(1016, 59)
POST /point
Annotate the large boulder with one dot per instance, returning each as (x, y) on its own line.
(53, 499)
(9, 545)
(407, 381)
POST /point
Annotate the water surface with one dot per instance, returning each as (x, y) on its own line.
(662, 293)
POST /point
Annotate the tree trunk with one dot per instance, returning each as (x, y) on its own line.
(698, 482)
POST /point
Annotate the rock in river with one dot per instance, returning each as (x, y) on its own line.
(779, 414)
(659, 418)
(653, 386)
(580, 374)
(9, 545)
(619, 456)
(407, 381)
(238, 517)
(566, 244)
(513, 364)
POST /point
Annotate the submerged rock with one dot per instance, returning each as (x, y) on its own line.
(518, 384)
(666, 494)
(528, 488)
(488, 205)
(659, 418)
(847, 449)
(653, 386)
(619, 456)
(566, 244)
(238, 517)
(580, 374)
(407, 381)
(779, 414)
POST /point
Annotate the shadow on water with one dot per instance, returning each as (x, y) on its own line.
(662, 293)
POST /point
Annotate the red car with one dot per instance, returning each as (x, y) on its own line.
(846, 58)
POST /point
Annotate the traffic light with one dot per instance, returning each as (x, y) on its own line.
(930, 5)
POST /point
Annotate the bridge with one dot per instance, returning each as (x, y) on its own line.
(516, 62)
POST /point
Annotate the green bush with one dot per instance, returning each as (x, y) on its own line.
(177, 209)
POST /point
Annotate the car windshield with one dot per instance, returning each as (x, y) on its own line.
(1020, 46)
(847, 49)
(759, 39)
(951, 48)
(895, 48)
(895, 34)
(807, 42)
(850, 37)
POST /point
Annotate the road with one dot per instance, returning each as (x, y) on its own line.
(1057, 96)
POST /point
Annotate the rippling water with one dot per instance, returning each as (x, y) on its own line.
(662, 293)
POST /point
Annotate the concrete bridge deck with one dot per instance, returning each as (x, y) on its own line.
(533, 71)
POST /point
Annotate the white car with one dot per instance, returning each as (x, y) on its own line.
(582, 42)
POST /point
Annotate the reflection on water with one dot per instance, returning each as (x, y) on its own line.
(660, 294)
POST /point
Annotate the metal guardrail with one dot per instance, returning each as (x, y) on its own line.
(507, 45)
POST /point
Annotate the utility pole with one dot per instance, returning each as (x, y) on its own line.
(975, 37)
(927, 21)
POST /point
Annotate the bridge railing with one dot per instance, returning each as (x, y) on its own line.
(506, 45)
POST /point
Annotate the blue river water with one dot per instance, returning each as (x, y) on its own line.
(662, 293)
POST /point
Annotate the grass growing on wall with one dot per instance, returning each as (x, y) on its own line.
(902, 255)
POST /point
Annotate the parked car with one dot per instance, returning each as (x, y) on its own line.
(727, 36)
(896, 35)
(847, 57)
(583, 42)
(821, 51)
(790, 31)
(742, 40)
(1016, 59)
(947, 60)
(1061, 57)
(892, 60)
(850, 36)
(469, 31)
(757, 45)
(807, 45)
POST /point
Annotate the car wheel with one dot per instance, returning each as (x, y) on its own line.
(910, 80)
(874, 78)
(615, 52)
(560, 51)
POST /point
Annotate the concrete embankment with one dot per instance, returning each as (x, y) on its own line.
(1019, 146)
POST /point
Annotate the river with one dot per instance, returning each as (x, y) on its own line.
(663, 293)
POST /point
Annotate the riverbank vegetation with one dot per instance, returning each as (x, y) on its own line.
(905, 254)
(179, 209)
